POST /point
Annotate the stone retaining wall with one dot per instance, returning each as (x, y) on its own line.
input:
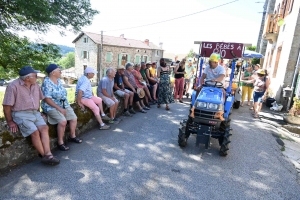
(15, 149)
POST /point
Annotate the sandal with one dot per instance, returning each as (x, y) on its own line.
(75, 139)
(158, 106)
(255, 116)
(251, 108)
(180, 101)
(146, 108)
(63, 147)
(50, 160)
(167, 108)
(143, 111)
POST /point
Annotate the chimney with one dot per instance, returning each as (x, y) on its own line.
(146, 42)
(160, 45)
(122, 36)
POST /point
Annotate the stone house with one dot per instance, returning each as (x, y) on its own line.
(280, 43)
(116, 51)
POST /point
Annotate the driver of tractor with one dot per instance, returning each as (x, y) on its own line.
(213, 73)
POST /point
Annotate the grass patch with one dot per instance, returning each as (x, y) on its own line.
(71, 98)
(282, 148)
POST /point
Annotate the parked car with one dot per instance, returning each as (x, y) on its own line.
(2, 82)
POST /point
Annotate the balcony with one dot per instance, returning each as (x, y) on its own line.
(271, 28)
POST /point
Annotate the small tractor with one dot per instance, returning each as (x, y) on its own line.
(211, 110)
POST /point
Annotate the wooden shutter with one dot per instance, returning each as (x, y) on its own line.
(108, 57)
(120, 59)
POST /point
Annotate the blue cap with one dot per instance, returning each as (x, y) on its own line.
(27, 70)
(51, 67)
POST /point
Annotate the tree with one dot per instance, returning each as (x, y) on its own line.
(68, 61)
(16, 52)
(191, 54)
(39, 15)
(254, 60)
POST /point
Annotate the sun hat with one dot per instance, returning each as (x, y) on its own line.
(261, 71)
(27, 70)
(120, 67)
(140, 92)
(214, 57)
(51, 67)
(148, 63)
(90, 70)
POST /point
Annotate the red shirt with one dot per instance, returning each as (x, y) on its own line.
(21, 97)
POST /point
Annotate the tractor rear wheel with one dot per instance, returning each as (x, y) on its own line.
(183, 133)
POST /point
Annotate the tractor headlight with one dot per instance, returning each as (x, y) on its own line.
(213, 106)
(200, 104)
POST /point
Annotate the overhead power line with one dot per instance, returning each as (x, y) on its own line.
(174, 18)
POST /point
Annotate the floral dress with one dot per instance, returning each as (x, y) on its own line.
(164, 92)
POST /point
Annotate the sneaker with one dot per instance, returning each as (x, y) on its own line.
(127, 113)
(105, 117)
(50, 160)
(116, 121)
(104, 127)
(111, 121)
(146, 108)
(132, 111)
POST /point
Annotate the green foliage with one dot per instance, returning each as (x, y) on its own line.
(65, 49)
(67, 61)
(191, 54)
(39, 15)
(16, 52)
(252, 48)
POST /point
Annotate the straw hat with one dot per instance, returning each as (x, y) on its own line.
(140, 92)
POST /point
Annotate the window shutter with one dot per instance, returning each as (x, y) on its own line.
(137, 59)
(87, 55)
(110, 56)
(120, 59)
(142, 59)
(128, 57)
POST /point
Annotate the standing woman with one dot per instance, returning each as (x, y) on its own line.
(189, 76)
(247, 88)
(164, 92)
(261, 85)
(179, 80)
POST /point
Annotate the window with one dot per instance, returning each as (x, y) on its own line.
(84, 67)
(85, 54)
(277, 61)
(157, 52)
(108, 57)
(144, 58)
(124, 58)
(85, 40)
(137, 59)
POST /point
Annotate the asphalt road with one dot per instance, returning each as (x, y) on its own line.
(140, 159)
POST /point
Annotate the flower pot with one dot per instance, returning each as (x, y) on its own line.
(291, 119)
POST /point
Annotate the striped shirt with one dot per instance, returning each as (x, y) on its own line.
(130, 77)
(84, 85)
(22, 98)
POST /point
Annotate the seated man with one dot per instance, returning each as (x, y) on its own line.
(214, 73)
(122, 92)
(21, 106)
(105, 91)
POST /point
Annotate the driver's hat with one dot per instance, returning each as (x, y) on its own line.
(214, 57)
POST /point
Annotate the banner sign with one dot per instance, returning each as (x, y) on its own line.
(226, 50)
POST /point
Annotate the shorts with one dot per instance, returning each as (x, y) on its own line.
(121, 93)
(257, 96)
(109, 102)
(28, 121)
(54, 116)
(189, 80)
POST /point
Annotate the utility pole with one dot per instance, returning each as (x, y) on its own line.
(99, 67)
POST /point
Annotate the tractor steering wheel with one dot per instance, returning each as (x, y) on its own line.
(216, 83)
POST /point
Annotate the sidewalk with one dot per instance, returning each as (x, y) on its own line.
(285, 136)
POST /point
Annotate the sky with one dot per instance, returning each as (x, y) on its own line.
(238, 21)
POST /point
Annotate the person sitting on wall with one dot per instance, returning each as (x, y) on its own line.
(151, 75)
(21, 105)
(120, 90)
(213, 73)
(85, 97)
(57, 107)
(105, 91)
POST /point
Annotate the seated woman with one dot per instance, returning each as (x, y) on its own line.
(141, 83)
(85, 97)
(130, 84)
(57, 107)
(152, 79)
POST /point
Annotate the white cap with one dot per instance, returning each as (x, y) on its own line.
(90, 70)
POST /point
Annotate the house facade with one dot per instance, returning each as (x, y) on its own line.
(116, 51)
(280, 43)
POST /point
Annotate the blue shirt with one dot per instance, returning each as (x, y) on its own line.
(84, 85)
(56, 93)
(106, 84)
